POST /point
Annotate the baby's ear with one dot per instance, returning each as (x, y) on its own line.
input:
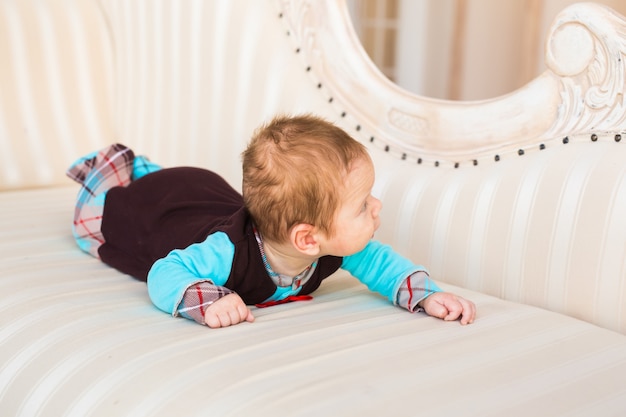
(303, 237)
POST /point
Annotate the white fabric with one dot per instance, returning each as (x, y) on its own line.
(80, 339)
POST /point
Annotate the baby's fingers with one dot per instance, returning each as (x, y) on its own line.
(436, 309)
(212, 320)
(450, 307)
(245, 314)
(227, 311)
(462, 308)
(468, 311)
(226, 318)
(455, 309)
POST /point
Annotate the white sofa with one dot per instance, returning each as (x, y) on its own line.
(517, 203)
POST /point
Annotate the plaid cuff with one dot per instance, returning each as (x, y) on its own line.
(198, 297)
(414, 289)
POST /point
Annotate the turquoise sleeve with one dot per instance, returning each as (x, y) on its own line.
(381, 269)
(170, 276)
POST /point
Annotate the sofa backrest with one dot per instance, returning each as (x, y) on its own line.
(56, 88)
(520, 196)
(179, 81)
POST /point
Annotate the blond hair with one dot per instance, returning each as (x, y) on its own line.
(293, 172)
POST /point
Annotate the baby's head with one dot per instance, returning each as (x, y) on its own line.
(294, 171)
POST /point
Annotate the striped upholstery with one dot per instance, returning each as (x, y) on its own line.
(56, 88)
(547, 228)
(193, 85)
(79, 339)
(179, 81)
(186, 82)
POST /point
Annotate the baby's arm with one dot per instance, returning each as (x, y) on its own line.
(383, 270)
(191, 281)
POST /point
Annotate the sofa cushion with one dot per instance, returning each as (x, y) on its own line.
(79, 338)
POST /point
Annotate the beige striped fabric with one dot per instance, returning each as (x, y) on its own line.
(180, 81)
(533, 231)
(56, 88)
(195, 78)
(546, 228)
(80, 339)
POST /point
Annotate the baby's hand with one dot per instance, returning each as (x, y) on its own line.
(227, 311)
(447, 306)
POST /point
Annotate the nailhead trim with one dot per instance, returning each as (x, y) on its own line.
(404, 156)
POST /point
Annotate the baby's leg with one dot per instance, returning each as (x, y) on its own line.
(100, 171)
(97, 173)
(143, 166)
(87, 222)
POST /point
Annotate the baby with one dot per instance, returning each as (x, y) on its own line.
(207, 252)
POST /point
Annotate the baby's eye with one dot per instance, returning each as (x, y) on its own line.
(364, 207)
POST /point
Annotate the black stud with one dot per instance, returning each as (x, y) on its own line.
(475, 162)
(436, 163)
(319, 85)
(565, 140)
(419, 160)
(308, 68)
(520, 152)
(386, 148)
(330, 100)
(497, 158)
(297, 50)
(372, 139)
(343, 114)
(403, 156)
(618, 137)
(594, 137)
(358, 127)
(456, 164)
(280, 15)
(288, 33)
(542, 147)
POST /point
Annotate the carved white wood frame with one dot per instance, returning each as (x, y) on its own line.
(580, 93)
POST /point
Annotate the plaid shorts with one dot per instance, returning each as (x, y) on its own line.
(98, 172)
